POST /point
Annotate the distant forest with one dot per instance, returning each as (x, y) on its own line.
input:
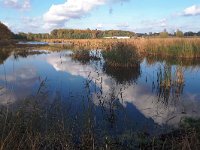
(98, 34)
(75, 34)
(6, 33)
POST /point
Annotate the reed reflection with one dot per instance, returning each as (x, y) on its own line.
(170, 84)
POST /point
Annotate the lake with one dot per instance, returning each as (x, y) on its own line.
(139, 99)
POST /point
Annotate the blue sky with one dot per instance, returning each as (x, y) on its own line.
(134, 15)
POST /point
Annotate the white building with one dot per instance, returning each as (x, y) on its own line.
(118, 37)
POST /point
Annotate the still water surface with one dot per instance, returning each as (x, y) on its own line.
(141, 93)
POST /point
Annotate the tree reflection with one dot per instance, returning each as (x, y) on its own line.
(4, 54)
(26, 53)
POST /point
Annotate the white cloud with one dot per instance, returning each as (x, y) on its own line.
(123, 25)
(29, 24)
(192, 11)
(100, 26)
(32, 22)
(24, 79)
(17, 4)
(70, 10)
(57, 15)
(155, 23)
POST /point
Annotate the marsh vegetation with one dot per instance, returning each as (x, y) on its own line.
(185, 48)
(176, 48)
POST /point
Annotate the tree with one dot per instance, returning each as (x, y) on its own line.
(5, 32)
(198, 33)
(179, 33)
(164, 34)
(190, 33)
(54, 33)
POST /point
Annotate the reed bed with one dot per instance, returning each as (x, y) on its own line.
(173, 47)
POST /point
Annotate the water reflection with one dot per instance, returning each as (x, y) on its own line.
(123, 75)
(175, 91)
(20, 84)
(26, 53)
(169, 85)
(85, 56)
(173, 61)
(33, 43)
(4, 54)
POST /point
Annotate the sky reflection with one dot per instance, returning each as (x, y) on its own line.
(22, 77)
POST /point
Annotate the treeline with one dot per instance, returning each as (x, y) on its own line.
(165, 34)
(179, 33)
(98, 34)
(75, 34)
(5, 32)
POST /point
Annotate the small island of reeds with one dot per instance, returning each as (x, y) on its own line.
(121, 55)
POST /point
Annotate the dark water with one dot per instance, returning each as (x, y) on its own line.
(140, 94)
